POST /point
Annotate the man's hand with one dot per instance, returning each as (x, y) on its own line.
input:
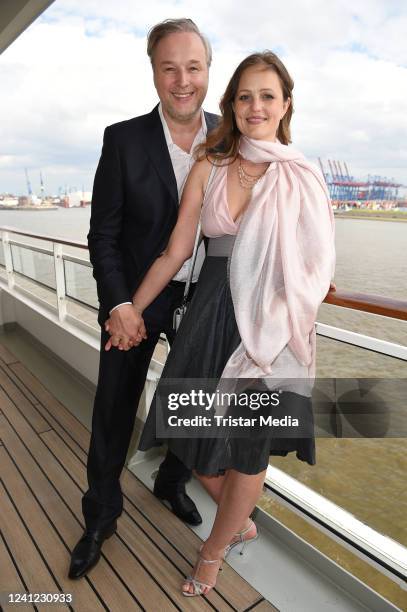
(126, 328)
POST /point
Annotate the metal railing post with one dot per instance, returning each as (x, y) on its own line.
(60, 280)
(8, 259)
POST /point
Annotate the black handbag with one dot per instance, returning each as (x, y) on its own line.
(181, 310)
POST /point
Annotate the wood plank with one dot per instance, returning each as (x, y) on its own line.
(265, 606)
(105, 582)
(188, 542)
(233, 588)
(108, 585)
(185, 540)
(131, 572)
(48, 542)
(7, 356)
(38, 423)
(32, 567)
(181, 537)
(10, 581)
(168, 566)
(61, 431)
(15, 380)
(67, 420)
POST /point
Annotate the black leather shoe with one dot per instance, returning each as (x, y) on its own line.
(180, 503)
(86, 553)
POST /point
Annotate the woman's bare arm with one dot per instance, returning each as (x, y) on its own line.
(181, 243)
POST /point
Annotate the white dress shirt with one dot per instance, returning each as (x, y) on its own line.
(182, 163)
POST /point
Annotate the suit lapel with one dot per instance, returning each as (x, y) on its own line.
(211, 121)
(158, 151)
(156, 146)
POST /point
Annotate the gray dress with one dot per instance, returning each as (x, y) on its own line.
(208, 335)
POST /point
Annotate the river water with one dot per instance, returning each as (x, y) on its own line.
(366, 475)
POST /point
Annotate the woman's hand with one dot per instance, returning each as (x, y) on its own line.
(124, 337)
(332, 288)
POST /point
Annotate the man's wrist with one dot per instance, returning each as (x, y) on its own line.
(119, 306)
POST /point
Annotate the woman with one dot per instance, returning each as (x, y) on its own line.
(269, 265)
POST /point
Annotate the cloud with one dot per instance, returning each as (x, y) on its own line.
(83, 65)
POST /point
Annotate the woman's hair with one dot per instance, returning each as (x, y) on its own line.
(223, 141)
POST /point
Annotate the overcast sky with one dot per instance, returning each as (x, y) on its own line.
(82, 65)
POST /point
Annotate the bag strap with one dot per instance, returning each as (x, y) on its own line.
(196, 243)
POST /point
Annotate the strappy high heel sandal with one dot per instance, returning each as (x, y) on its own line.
(242, 540)
(198, 586)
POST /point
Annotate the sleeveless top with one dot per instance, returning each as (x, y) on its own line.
(216, 219)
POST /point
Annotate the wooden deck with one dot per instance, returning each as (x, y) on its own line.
(42, 471)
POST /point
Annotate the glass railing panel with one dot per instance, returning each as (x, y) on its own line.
(340, 360)
(84, 314)
(329, 547)
(365, 476)
(34, 265)
(2, 260)
(3, 273)
(80, 284)
(384, 328)
(370, 256)
(37, 290)
(363, 469)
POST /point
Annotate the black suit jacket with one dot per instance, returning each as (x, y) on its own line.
(134, 206)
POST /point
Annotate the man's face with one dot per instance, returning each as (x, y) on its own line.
(181, 75)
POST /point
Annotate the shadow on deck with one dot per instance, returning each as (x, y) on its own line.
(43, 476)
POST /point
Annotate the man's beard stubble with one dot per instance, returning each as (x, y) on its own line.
(185, 117)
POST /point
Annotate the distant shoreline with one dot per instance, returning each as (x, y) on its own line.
(36, 208)
(372, 215)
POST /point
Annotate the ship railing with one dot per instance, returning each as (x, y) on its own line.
(52, 267)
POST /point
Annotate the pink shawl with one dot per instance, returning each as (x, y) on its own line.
(281, 265)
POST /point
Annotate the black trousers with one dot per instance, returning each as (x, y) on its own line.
(122, 375)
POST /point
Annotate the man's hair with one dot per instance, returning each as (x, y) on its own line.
(173, 26)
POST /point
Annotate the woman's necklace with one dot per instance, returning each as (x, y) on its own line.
(246, 180)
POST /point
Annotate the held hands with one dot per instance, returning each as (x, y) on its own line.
(126, 328)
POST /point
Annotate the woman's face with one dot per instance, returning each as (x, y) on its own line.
(259, 105)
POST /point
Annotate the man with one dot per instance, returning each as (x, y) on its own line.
(141, 173)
